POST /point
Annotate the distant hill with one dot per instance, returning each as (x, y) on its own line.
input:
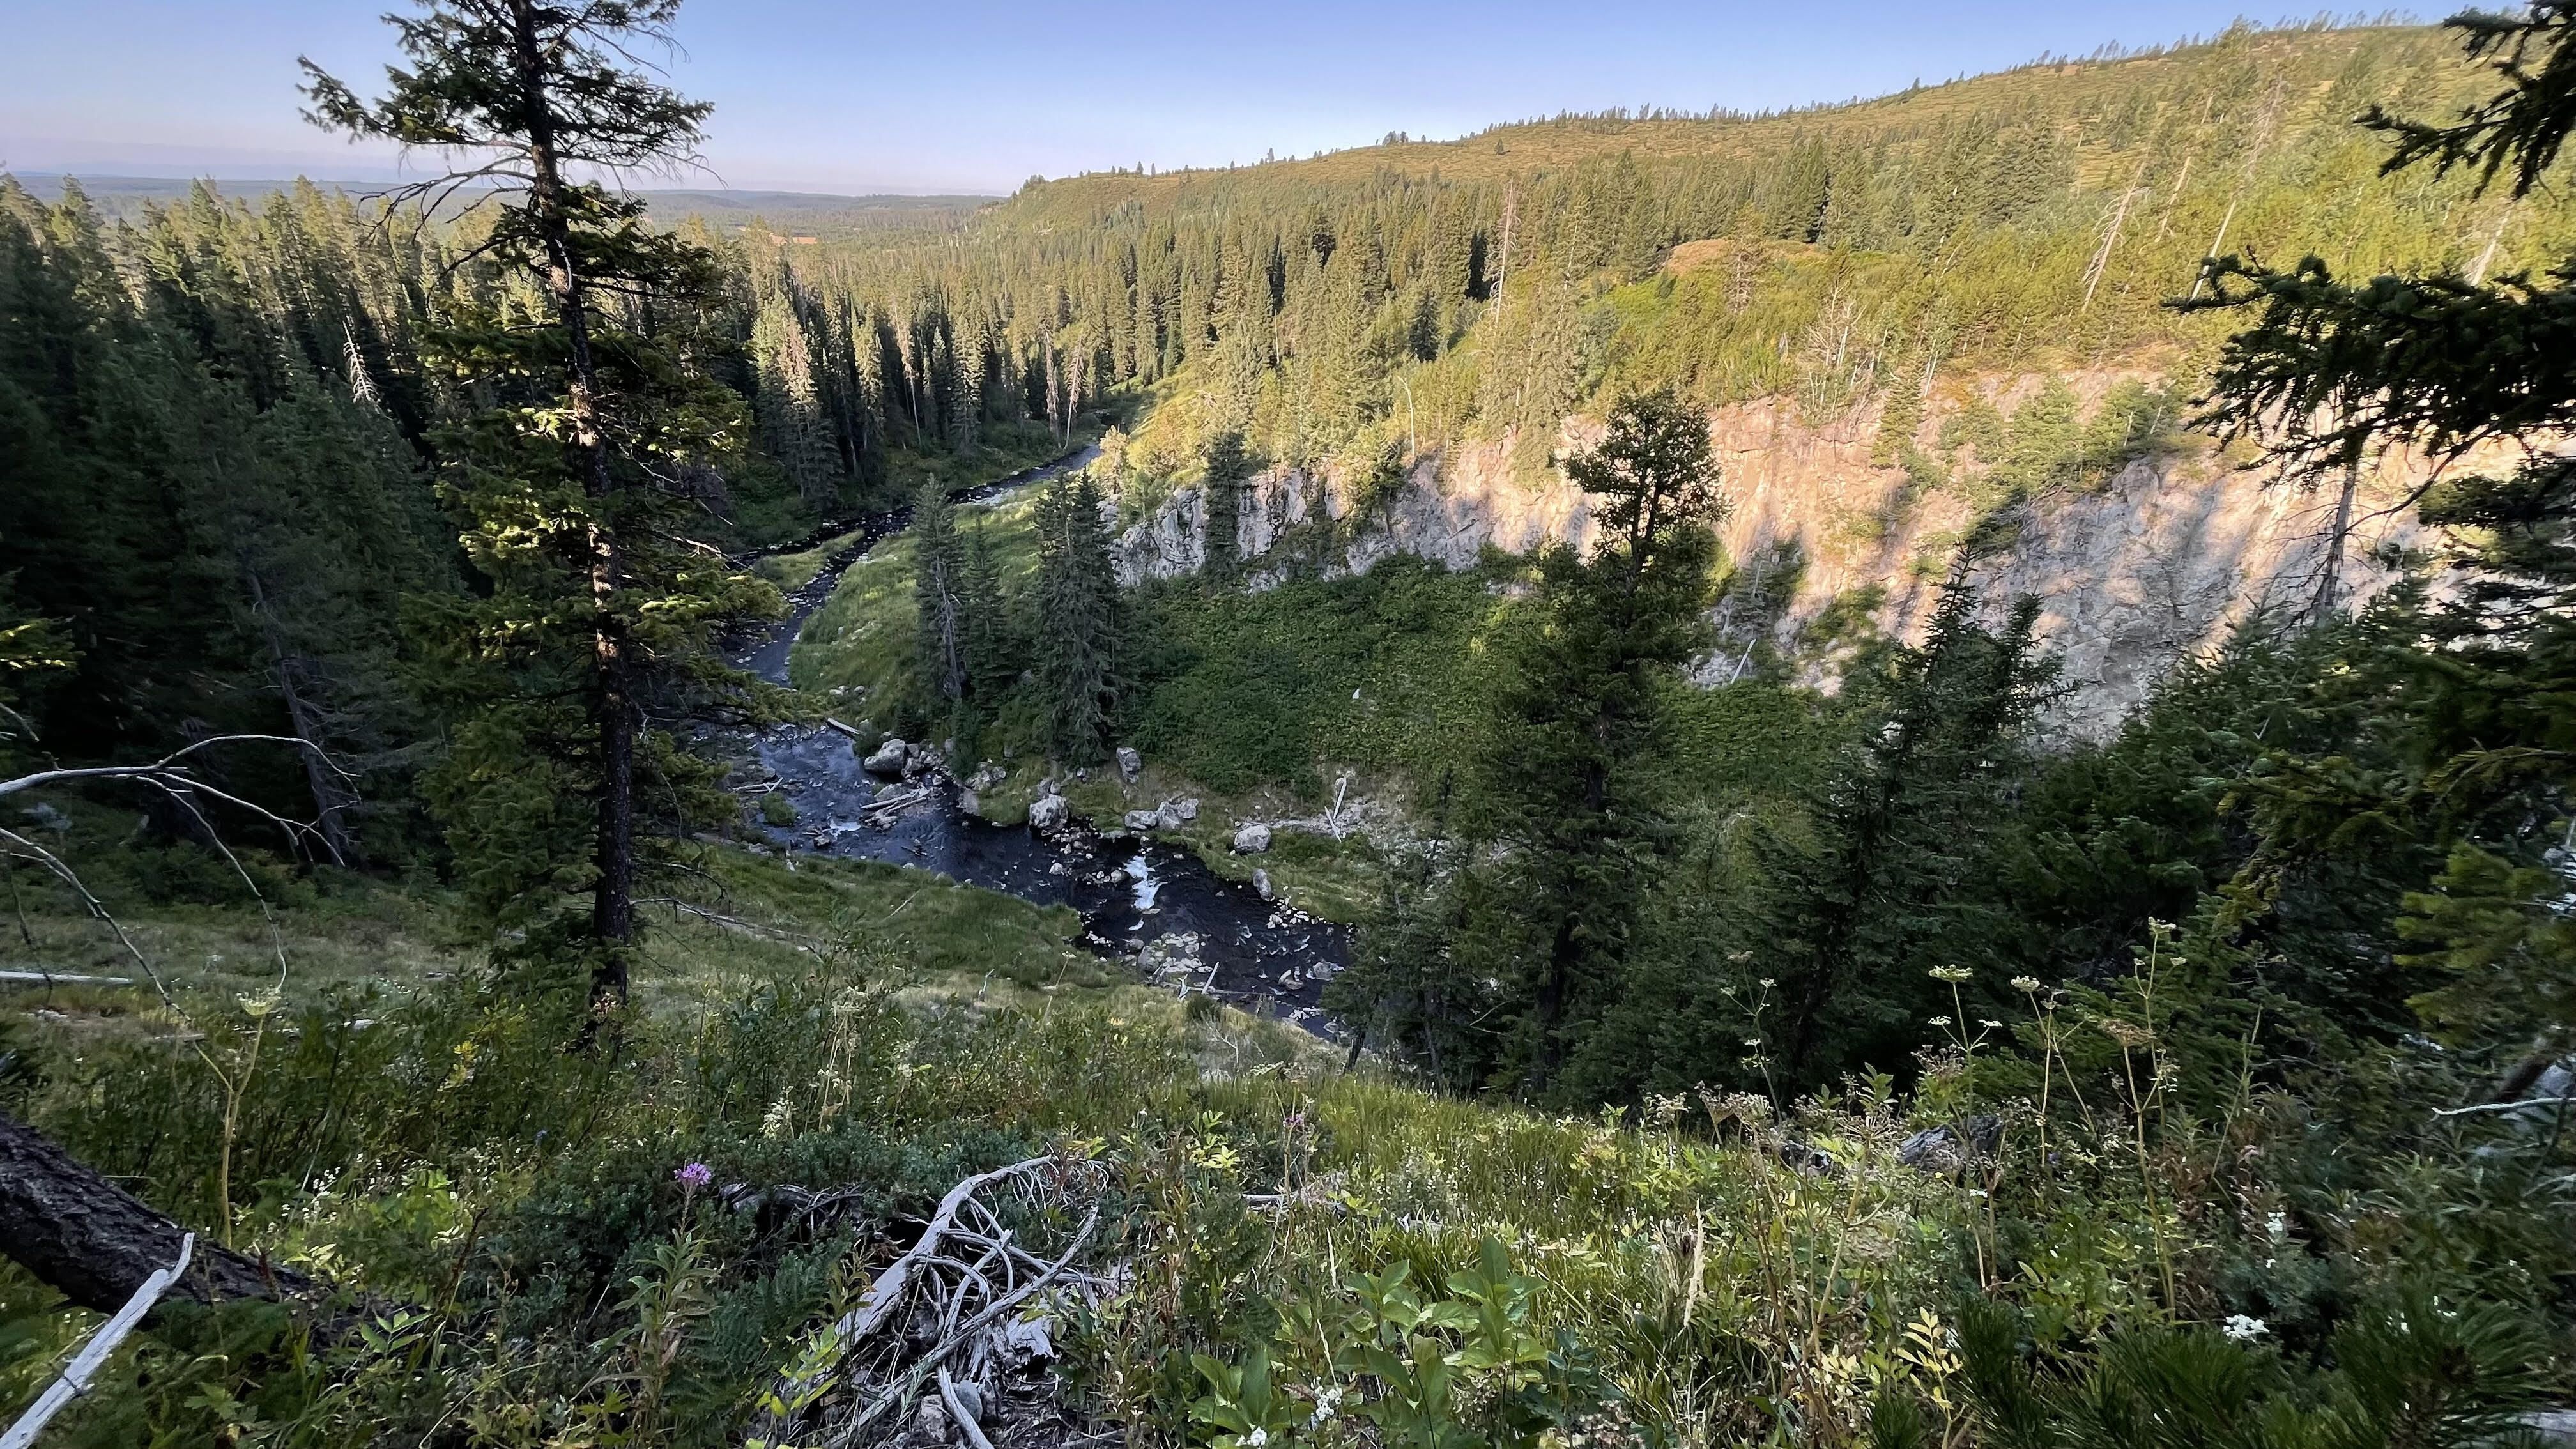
(789, 213)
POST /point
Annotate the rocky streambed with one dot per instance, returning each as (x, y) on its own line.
(1151, 904)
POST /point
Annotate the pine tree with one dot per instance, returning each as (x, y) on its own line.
(2464, 732)
(1077, 619)
(1868, 906)
(939, 595)
(1227, 464)
(992, 652)
(597, 610)
(1568, 784)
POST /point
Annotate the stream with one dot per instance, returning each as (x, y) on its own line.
(1154, 906)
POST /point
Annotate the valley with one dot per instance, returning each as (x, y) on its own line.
(1893, 772)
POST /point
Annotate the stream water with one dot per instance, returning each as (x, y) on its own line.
(1154, 906)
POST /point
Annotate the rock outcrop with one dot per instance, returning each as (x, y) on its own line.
(2155, 563)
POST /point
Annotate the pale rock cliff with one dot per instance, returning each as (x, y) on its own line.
(2156, 563)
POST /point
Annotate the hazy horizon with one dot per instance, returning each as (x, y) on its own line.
(987, 94)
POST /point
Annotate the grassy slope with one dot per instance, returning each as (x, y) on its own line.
(205, 936)
(2069, 88)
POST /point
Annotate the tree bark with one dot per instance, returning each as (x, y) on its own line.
(95, 1243)
(2330, 581)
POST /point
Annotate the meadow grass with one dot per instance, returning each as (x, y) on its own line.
(793, 571)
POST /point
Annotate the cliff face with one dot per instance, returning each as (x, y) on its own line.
(2134, 573)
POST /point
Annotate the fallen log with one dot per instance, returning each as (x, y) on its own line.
(96, 1244)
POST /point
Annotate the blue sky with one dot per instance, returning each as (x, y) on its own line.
(980, 94)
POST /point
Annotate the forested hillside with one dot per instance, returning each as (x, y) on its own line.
(1512, 696)
(1419, 293)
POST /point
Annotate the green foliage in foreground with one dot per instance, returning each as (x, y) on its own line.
(1713, 1268)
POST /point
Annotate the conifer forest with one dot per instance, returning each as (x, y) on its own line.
(1894, 774)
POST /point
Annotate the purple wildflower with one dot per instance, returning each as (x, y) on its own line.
(694, 1176)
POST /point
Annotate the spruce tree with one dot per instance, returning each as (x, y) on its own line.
(939, 595)
(2462, 752)
(598, 612)
(1077, 619)
(1869, 898)
(1568, 785)
(992, 653)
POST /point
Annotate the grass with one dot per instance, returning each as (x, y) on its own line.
(862, 637)
(1738, 1273)
(793, 571)
(343, 933)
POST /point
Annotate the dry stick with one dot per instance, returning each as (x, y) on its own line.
(957, 1411)
(879, 1303)
(2110, 239)
(2486, 258)
(922, 1366)
(74, 1380)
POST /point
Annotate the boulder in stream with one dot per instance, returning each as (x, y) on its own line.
(888, 759)
(1049, 812)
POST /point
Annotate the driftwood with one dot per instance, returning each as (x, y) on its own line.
(96, 1244)
(940, 1317)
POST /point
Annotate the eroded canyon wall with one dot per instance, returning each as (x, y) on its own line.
(2133, 572)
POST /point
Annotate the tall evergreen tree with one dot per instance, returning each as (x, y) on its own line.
(940, 598)
(599, 612)
(1568, 784)
(2463, 748)
(1863, 910)
(992, 653)
(1077, 619)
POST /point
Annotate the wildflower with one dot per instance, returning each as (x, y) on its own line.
(1940, 1021)
(1768, 982)
(1990, 1024)
(2277, 1224)
(2241, 1327)
(694, 1176)
(1952, 974)
(2025, 984)
(1255, 1439)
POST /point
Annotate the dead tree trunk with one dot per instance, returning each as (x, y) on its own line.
(333, 800)
(95, 1243)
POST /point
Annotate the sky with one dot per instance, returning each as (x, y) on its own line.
(980, 95)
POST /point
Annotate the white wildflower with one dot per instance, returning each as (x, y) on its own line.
(2025, 983)
(2242, 1327)
(2278, 1224)
(1256, 1439)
